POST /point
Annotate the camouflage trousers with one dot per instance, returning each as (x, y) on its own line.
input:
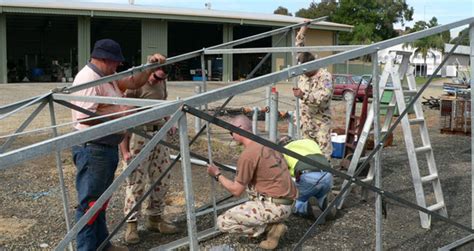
(252, 217)
(144, 176)
(319, 132)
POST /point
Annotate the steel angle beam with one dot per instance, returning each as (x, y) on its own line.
(110, 100)
(13, 106)
(281, 49)
(22, 127)
(203, 235)
(457, 243)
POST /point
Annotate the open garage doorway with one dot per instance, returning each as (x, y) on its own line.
(186, 37)
(245, 63)
(41, 48)
(126, 32)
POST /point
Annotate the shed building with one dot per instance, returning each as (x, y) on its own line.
(49, 41)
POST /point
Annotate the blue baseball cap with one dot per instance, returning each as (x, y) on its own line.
(107, 49)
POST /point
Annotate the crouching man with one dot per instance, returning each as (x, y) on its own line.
(264, 173)
(311, 181)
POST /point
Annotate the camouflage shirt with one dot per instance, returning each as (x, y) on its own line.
(317, 89)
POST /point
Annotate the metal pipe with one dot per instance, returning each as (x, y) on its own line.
(471, 42)
(378, 167)
(59, 166)
(295, 84)
(291, 126)
(268, 91)
(197, 121)
(273, 132)
(281, 49)
(200, 162)
(255, 120)
(188, 185)
(109, 100)
(349, 97)
(209, 148)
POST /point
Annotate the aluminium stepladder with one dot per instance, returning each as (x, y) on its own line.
(397, 72)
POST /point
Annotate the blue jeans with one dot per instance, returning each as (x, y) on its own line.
(316, 184)
(96, 165)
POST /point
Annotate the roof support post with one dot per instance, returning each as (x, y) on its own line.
(83, 40)
(154, 37)
(227, 60)
(471, 43)
(3, 49)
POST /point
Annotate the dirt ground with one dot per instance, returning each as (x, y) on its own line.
(31, 214)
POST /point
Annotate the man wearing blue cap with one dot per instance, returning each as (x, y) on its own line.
(96, 161)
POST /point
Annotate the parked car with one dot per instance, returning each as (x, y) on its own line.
(346, 83)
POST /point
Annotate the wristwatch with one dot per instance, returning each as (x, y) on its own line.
(217, 176)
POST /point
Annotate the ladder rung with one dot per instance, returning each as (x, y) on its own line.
(410, 92)
(391, 88)
(417, 121)
(423, 149)
(429, 178)
(436, 206)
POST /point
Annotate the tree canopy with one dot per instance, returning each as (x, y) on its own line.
(435, 42)
(464, 40)
(282, 11)
(318, 10)
(373, 20)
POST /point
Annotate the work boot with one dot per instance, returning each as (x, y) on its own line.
(116, 248)
(273, 236)
(131, 234)
(312, 210)
(157, 224)
(333, 211)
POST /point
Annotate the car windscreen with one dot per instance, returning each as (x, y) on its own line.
(357, 79)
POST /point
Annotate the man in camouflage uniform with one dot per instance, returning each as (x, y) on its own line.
(264, 173)
(150, 169)
(314, 92)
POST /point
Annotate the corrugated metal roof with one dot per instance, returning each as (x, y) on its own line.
(149, 11)
(461, 49)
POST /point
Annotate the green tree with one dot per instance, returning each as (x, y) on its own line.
(282, 11)
(318, 9)
(424, 46)
(373, 20)
(464, 40)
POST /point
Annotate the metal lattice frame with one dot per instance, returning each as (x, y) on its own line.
(161, 109)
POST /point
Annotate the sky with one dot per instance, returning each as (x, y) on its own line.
(446, 11)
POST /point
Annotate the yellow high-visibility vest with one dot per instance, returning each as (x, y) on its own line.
(303, 147)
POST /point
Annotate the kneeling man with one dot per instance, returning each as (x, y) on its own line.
(264, 173)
